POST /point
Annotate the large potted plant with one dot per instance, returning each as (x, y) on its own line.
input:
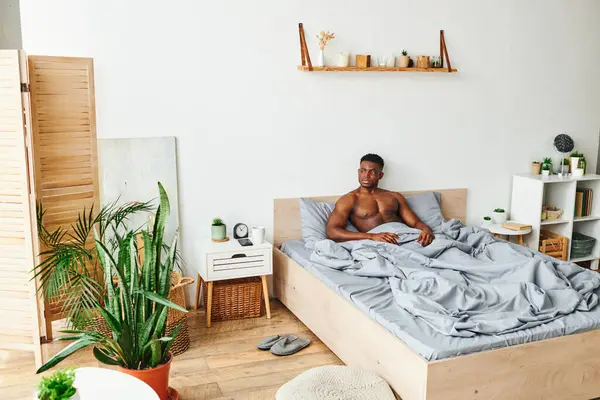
(135, 307)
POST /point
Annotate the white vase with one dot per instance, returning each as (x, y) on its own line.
(404, 61)
(499, 218)
(321, 59)
(574, 163)
(545, 172)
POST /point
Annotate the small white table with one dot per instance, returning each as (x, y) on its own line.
(102, 384)
(231, 260)
(498, 231)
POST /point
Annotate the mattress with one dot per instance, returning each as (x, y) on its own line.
(373, 296)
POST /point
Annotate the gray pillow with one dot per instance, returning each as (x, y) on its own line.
(427, 207)
(313, 220)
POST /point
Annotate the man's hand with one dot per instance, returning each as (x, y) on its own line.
(386, 237)
(426, 237)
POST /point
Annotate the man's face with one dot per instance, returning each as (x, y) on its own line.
(369, 174)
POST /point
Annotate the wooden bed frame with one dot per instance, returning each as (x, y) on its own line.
(566, 367)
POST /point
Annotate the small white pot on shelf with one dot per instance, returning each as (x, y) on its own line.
(546, 172)
(486, 222)
(499, 217)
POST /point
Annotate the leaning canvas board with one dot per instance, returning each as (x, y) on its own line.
(130, 170)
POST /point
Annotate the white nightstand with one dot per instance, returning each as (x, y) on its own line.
(231, 260)
(499, 231)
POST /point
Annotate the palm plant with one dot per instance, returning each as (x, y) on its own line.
(69, 270)
(135, 302)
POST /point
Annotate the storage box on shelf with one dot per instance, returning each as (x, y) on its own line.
(530, 193)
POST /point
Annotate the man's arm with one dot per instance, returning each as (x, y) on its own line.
(411, 219)
(336, 225)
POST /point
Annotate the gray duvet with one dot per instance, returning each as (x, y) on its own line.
(467, 291)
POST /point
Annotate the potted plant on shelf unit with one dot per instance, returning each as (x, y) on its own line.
(575, 156)
(564, 166)
(499, 216)
(535, 168)
(218, 229)
(582, 164)
(545, 170)
(324, 38)
(548, 162)
(135, 306)
(487, 220)
(404, 59)
(58, 386)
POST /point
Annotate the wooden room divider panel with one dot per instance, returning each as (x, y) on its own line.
(19, 312)
(65, 149)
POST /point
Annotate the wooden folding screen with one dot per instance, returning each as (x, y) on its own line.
(64, 140)
(19, 313)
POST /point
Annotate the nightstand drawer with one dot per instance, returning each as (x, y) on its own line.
(239, 263)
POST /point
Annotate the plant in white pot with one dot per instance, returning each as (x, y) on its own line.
(545, 170)
(58, 386)
(487, 220)
(575, 156)
(218, 230)
(135, 306)
(548, 162)
(404, 59)
(499, 216)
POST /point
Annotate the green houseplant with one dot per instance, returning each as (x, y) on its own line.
(548, 162)
(135, 306)
(404, 59)
(545, 169)
(58, 386)
(487, 220)
(575, 156)
(218, 229)
(499, 216)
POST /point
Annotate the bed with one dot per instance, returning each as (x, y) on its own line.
(562, 368)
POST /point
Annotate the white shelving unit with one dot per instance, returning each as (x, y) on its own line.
(530, 192)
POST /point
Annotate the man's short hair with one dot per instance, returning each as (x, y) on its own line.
(373, 158)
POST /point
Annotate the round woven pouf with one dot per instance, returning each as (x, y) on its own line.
(336, 383)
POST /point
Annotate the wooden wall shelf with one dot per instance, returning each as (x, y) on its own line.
(306, 64)
(374, 69)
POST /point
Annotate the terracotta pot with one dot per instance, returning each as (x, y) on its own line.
(157, 378)
(535, 168)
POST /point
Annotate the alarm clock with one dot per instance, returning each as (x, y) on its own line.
(240, 231)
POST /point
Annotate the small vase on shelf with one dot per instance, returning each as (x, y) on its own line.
(321, 58)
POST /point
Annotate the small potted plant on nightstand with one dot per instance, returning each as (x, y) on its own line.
(548, 162)
(58, 386)
(575, 156)
(218, 229)
(535, 168)
(487, 220)
(404, 59)
(499, 216)
(545, 170)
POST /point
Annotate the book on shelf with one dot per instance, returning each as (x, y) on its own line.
(583, 202)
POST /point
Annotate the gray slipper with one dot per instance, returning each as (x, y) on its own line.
(268, 342)
(289, 345)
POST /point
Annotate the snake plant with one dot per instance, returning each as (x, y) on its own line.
(135, 302)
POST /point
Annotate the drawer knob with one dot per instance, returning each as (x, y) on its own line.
(238, 255)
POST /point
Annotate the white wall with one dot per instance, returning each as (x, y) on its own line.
(10, 25)
(221, 76)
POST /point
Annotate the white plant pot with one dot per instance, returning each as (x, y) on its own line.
(486, 223)
(574, 164)
(321, 59)
(578, 172)
(404, 61)
(499, 218)
(546, 172)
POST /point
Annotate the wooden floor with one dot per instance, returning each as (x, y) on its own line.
(222, 362)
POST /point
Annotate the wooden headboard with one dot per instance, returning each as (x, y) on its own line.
(286, 219)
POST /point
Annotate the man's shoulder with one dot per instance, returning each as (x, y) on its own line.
(347, 198)
(392, 193)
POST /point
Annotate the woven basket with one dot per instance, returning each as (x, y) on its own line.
(182, 341)
(235, 298)
(581, 245)
(177, 296)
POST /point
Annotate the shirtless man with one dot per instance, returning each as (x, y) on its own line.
(368, 207)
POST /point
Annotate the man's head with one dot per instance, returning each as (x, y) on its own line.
(370, 171)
